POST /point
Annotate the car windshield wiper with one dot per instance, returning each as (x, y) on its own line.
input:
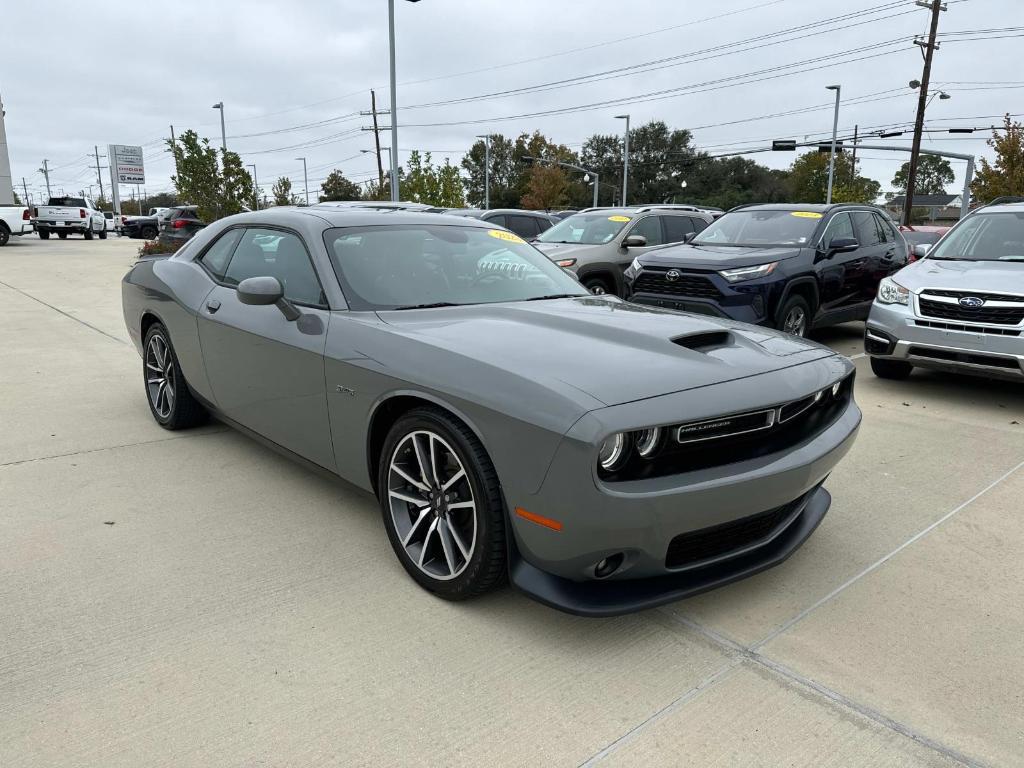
(555, 296)
(429, 306)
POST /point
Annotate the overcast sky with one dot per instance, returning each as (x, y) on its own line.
(277, 65)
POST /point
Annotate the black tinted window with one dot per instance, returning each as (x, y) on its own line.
(497, 219)
(217, 255)
(867, 228)
(699, 225)
(840, 227)
(886, 231)
(677, 228)
(649, 227)
(524, 226)
(67, 202)
(273, 253)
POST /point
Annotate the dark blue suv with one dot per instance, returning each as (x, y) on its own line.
(793, 267)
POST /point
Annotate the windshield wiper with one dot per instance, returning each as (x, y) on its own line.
(556, 296)
(429, 306)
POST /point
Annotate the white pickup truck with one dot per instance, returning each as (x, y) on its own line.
(65, 215)
(14, 220)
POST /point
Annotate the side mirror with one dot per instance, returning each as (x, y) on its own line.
(634, 241)
(921, 250)
(842, 245)
(264, 291)
(689, 236)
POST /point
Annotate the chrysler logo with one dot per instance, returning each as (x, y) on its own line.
(674, 274)
(971, 302)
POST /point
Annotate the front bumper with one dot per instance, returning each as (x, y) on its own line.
(752, 301)
(641, 520)
(897, 332)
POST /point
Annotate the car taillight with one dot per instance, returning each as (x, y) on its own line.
(180, 223)
(24, 215)
(81, 213)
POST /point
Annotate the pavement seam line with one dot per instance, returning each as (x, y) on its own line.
(782, 670)
(61, 311)
(111, 448)
(668, 709)
(789, 624)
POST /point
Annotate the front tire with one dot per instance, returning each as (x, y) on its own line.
(599, 286)
(890, 369)
(5, 236)
(103, 234)
(170, 400)
(442, 506)
(148, 233)
(794, 317)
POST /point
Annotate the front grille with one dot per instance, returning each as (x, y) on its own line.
(691, 549)
(985, 296)
(971, 358)
(654, 281)
(994, 315)
(967, 328)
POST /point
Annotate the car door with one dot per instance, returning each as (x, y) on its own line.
(651, 227)
(266, 372)
(895, 254)
(872, 247)
(840, 275)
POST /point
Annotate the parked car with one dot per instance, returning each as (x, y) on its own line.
(526, 224)
(145, 227)
(921, 235)
(65, 216)
(452, 370)
(958, 308)
(599, 243)
(14, 221)
(564, 214)
(792, 267)
(180, 224)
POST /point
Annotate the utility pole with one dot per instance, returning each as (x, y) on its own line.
(45, 170)
(24, 188)
(853, 160)
(487, 170)
(174, 151)
(99, 178)
(305, 178)
(922, 102)
(376, 137)
(255, 185)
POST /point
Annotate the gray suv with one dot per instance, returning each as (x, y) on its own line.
(599, 243)
(961, 307)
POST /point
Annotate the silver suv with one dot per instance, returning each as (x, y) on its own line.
(959, 308)
(599, 243)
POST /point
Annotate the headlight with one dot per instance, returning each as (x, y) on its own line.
(563, 263)
(647, 442)
(748, 273)
(636, 266)
(614, 452)
(891, 292)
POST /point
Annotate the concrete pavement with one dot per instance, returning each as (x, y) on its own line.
(178, 599)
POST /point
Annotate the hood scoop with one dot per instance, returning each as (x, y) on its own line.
(704, 342)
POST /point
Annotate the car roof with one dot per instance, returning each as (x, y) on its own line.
(345, 216)
(1001, 208)
(813, 207)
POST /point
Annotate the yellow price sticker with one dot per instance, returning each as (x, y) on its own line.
(619, 218)
(509, 237)
(806, 214)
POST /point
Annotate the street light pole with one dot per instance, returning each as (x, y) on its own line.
(305, 178)
(223, 134)
(625, 160)
(832, 156)
(255, 186)
(487, 171)
(394, 101)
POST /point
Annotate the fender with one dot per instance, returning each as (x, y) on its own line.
(798, 281)
(604, 268)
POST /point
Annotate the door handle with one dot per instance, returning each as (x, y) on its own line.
(212, 306)
(889, 255)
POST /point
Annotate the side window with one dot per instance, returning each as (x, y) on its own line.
(649, 227)
(544, 224)
(677, 228)
(699, 225)
(885, 230)
(498, 220)
(867, 228)
(274, 253)
(217, 255)
(840, 226)
(524, 226)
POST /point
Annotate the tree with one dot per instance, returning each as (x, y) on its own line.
(808, 180)
(547, 188)
(1006, 175)
(933, 174)
(337, 187)
(434, 185)
(506, 173)
(725, 182)
(282, 191)
(217, 188)
(237, 189)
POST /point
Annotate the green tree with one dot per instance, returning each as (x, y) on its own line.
(337, 187)
(506, 173)
(282, 191)
(808, 180)
(237, 189)
(1006, 175)
(217, 188)
(725, 182)
(933, 174)
(659, 158)
(424, 182)
(547, 188)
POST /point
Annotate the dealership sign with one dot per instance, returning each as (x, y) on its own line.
(126, 164)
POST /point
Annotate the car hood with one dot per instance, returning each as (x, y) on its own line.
(715, 257)
(567, 250)
(613, 351)
(981, 276)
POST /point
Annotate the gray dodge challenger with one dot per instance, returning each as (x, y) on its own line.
(602, 456)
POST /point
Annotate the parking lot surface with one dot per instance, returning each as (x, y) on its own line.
(191, 598)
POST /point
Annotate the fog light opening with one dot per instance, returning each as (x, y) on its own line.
(608, 565)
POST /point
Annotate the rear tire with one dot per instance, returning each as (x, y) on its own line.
(88, 233)
(170, 400)
(62, 235)
(44, 234)
(890, 369)
(5, 235)
(447, 526)
(795, 316)
(599, 286)
(103, 234)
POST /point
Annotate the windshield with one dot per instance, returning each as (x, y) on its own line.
(760, 228)
(586, 228)
(921, 238)
(411, 265)
(984, 237)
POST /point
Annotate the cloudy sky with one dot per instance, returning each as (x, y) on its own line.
(295, 75)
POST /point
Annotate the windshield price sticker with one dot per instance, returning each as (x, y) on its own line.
(806, 214)
(508, 237)
(618, 218)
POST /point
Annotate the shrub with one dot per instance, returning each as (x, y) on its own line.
(153, 247)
